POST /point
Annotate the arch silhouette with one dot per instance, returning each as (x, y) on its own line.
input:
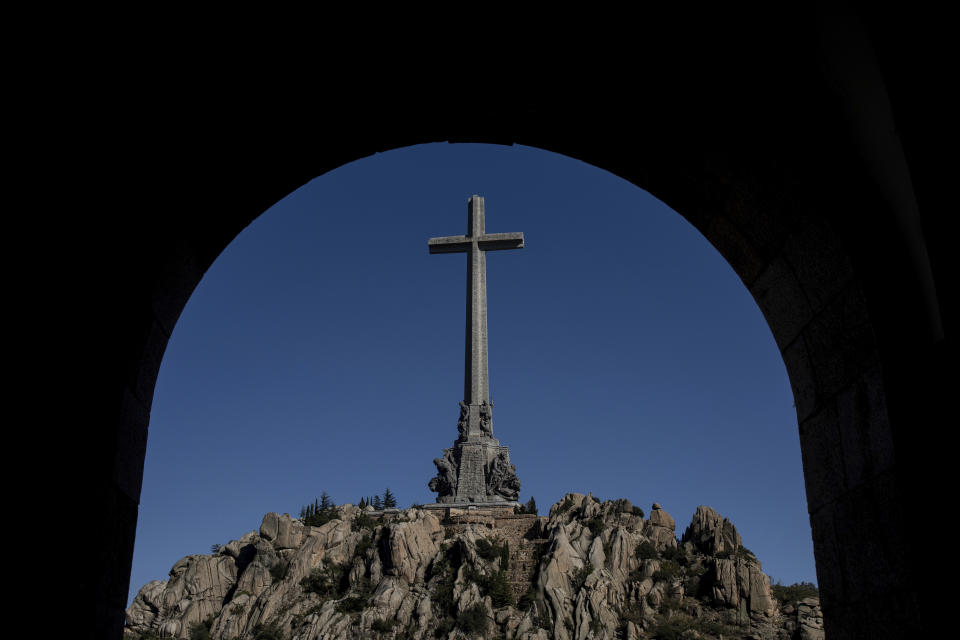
(789, 173)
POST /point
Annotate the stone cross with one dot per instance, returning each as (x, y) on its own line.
(476, 419)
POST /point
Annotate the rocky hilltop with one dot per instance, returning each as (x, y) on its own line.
(590, 569)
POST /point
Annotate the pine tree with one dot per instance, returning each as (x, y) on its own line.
(377, 503)
(531, 506)
(322, 511)
(389, 500)
(325, 502)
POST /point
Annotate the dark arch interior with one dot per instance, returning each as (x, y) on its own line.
(784, 161)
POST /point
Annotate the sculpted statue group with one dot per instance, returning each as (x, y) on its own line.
(445, 482)
(500, 477)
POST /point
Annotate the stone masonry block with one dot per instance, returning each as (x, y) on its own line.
(735, 248)
(803, 381)
(827, 553)
(870, 537)
(822, 458)
(131, 446)
(865, 429)
(817, 257)
(154, 347)
(764, 209)
(781, 299)
(177, 279)
(840, 342)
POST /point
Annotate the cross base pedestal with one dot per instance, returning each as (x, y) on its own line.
(476, 472)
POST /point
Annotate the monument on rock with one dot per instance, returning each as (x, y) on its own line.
(476, 470)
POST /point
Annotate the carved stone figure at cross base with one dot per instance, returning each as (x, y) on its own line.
(477, 468)
(486, 418)
(463, 420)
(502, 479)
(446, 478)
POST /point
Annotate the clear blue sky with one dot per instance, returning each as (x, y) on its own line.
(323, 351)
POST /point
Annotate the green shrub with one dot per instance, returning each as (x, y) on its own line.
(321, 518)
(713, 628)
(444, 627)
(794, 592)
(668, 571)
(527, 599)
(531, 506)
(327, 580)
(596, 627)
(320, 512)
(280, 570)
(580, 578)
(542, 619)
(473, 575)
(389, 500)
(500, 590)
(637, 511)
(692, 583)
(201, 630)
(497, 585)
(473, 620)
(633, 613)
(676, 626)
(446, 575)
(300, 619)
(675, 554)
(646, 551)
(485, 550)
(672, 628)
(363, 521)
(357, 601)
(595, 524)
(267, 632)
(144, 635)
(564, 506)
(383, 626)
(491, 550)
(237, 609)
(366, 542)
(352, 604)
(745, 554)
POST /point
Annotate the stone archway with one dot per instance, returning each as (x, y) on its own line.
(777, 179)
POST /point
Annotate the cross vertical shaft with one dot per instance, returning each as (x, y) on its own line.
(476, 384)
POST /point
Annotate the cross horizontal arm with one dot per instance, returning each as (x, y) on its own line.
(498, 241)
(450, 244)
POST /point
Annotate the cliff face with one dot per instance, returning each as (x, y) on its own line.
(590, 570)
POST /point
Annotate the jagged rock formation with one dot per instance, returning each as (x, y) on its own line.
(590, 569)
